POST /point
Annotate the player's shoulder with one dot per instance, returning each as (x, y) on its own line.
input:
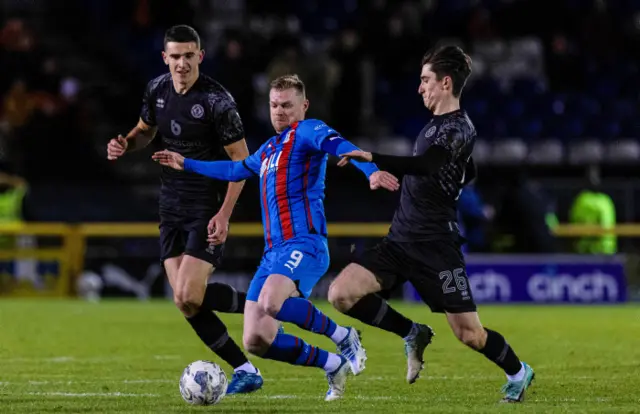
(216, 96)
(456, 124)
(465, 122)
(159, 83)
(313, 127)
(213, 88)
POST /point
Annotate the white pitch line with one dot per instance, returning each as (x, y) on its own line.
(90, 394)
(423, 398)
(76, 360)
(305, 379)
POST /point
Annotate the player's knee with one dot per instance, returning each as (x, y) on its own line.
(473, 338)
(340, 297)
(188, 302)
(255, 344)
(270, 305)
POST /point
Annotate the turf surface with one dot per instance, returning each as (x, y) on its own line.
(126, 357)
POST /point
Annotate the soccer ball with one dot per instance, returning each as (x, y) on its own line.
(203, 383)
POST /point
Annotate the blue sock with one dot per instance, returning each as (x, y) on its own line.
(295, 351)
(302, 312)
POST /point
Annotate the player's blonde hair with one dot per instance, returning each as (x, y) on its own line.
(287, 82)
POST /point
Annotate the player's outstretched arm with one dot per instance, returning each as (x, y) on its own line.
(219, 170)
(378, 179)
(426, 164)
(139, 137)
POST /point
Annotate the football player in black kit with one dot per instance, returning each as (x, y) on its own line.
(196, 117)
(423, 243)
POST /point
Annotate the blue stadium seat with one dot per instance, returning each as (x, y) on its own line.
(491, 128)
(623, 109)
(530, 128)
(476, 107)
(583, 106)
(606, 87)
(513, 108)
(527, 88)
(569, 128)
(604, 128)
(487, 87)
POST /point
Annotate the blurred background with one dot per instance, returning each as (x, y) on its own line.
(554, 95)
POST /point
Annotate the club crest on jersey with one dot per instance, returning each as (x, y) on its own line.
(430, 132)
(197, 111)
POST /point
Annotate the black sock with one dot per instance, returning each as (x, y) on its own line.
(498, 350)
(213, 333)
(223, 298)
(375, 311)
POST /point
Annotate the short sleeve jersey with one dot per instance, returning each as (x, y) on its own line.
(198, 125)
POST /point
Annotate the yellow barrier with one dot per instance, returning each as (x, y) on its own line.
(74, 236)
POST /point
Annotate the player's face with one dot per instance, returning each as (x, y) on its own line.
(286, 107)
(183, 60)
(431, 89)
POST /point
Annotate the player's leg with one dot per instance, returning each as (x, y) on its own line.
(296, 269)
(469, 330)
(444, 285)
(188, 276)
(189, 289)
(262, 337)
(217, 297)
(355, 293)
(224, 298)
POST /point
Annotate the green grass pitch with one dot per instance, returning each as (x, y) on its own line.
(126, 357)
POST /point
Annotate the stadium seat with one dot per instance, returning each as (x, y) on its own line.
(606, 87)
(587, 151)
(514, 108)
(546, 152)
(623, 109)
(395, 146)
(476, 107)
(584, 106)
(567, 128)
(509, 151)
(604, 128)
(625, 150)
(527, 88)
(529, 129)
(481, 151)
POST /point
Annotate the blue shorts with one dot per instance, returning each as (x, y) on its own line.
(304, 259)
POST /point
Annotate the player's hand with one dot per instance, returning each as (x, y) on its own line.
(358, 155)
(169, 159)
(218, 229)
(117, 147)
(383, 179)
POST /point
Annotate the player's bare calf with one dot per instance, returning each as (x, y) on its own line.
(353, 293)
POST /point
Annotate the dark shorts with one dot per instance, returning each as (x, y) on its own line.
(188, 236)
(436, 269)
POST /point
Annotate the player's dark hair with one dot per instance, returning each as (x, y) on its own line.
(287, 82)
(449, 61)
(182, 34)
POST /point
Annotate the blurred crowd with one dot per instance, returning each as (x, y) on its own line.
(544, 88)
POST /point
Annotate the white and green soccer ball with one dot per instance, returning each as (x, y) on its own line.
(203, 383)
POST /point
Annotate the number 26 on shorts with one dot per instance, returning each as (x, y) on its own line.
(294, 261)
